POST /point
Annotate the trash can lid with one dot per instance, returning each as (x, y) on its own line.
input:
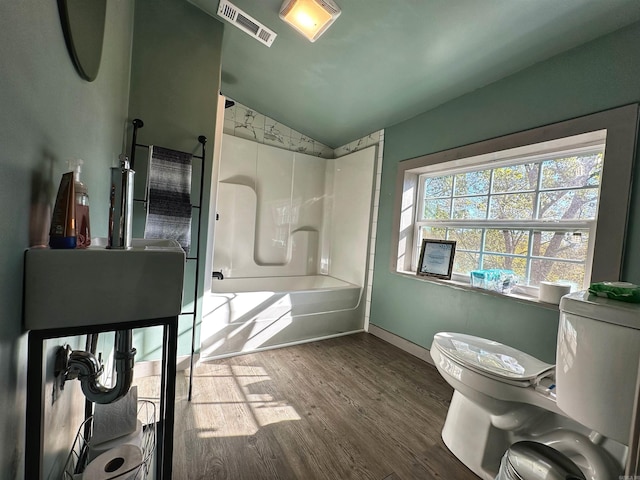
(536, 461)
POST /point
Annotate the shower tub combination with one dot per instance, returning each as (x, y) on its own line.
(248, 314)
(291, 241)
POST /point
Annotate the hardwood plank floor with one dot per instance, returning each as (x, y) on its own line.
(352, 407)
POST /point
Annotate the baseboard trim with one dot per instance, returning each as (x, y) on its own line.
(280, 345)
(154, 367)
(403, 344)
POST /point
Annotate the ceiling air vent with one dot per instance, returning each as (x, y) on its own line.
(245, 22)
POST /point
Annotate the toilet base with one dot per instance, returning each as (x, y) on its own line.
(472, 438)
(479, 438)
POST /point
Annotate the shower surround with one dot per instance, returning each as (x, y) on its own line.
(288, 222)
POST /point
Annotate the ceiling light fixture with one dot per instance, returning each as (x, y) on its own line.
(310, 17)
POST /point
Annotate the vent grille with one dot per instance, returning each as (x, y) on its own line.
(227, 11)
(248, 24)
(264, 35)
(245, 22)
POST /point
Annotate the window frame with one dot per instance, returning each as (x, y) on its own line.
(592, 143)
(621, 126)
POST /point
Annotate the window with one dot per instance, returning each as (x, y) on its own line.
(534, 215)
(549, 204)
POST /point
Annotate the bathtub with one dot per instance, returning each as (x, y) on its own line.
(280, 284)
(242, 315)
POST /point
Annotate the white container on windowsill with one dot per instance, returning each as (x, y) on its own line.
(552, 292)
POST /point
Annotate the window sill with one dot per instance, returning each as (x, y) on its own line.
(519, 297)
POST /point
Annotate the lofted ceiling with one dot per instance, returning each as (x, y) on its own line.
(384, 61)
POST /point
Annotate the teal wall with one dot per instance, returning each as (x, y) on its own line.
(597, 76)
(175, 80)
(48, 114)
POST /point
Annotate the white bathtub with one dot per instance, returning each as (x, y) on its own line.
(248, 314)
(279, 284)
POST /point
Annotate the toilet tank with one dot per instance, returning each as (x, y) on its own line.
(597, 357)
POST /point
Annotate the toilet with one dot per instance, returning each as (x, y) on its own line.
(581, 407)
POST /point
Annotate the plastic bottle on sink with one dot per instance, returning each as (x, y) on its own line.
(83, 230)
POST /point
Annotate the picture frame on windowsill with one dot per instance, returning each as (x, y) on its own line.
(436, 258)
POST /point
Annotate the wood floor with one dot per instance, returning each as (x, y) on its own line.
(353, 407)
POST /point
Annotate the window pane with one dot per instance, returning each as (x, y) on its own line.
(507, 241)
(515, 178)
(517, 264)
(583, 171)
(438, 186)
(436, 233)
(464, 262)
(513, 206)
(566, 245)
(553, 271)
(569, 204)
(472, 183)
(437, 208)
(470, 207)
(467, 238)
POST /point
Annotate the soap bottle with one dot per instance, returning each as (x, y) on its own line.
(83, 231)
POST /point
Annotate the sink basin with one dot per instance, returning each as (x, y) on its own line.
(97, 286)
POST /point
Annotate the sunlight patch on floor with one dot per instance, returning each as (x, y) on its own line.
(242, 403)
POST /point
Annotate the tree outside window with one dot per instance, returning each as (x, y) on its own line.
(534, 217)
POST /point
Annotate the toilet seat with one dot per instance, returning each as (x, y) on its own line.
(492, 359)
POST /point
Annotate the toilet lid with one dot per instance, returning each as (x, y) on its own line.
(489, 357)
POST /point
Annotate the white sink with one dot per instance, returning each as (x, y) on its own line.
(97, 286)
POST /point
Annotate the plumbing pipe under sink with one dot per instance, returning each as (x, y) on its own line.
(85, 367)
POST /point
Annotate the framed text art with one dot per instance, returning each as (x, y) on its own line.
(436, 258)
